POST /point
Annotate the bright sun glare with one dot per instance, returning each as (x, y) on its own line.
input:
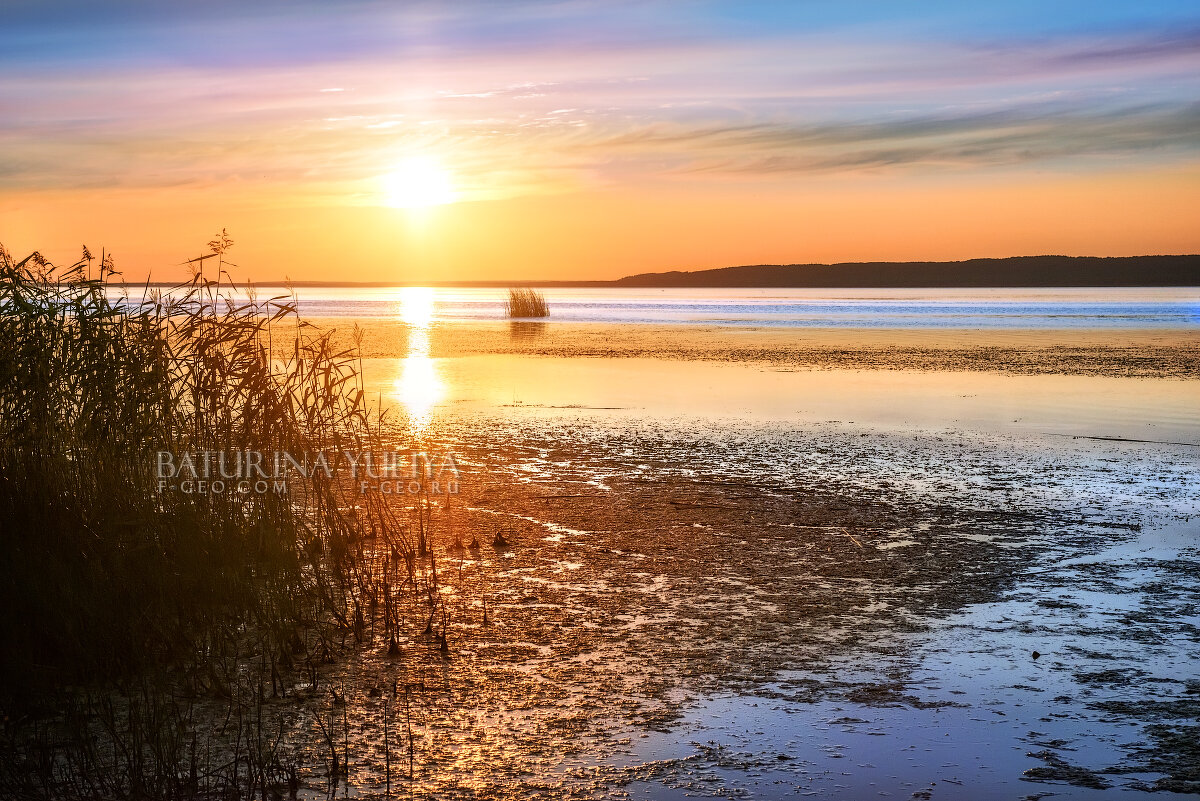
(419, 182)
(418, 387)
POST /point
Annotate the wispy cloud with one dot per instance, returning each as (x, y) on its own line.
(568, 91)
(969, 139)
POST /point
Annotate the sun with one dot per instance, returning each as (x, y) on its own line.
(419, 182)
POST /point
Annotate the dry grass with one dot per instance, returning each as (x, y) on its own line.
(527, 303)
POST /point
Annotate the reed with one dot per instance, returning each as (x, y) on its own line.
(526, 302)
(112, 579)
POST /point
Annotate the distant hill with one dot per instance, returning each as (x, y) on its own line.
(1017, 271)
(1010, 272)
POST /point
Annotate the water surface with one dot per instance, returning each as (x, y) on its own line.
(857, 308)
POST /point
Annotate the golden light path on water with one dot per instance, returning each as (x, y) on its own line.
(419, 385)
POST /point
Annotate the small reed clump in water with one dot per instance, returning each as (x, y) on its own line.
(527, 303)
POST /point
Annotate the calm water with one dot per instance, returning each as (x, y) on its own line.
(858, 308)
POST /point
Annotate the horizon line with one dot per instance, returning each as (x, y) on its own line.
(622, 282)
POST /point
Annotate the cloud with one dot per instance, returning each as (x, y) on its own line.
(1155, 46)
(1009, 137)
(195, 98)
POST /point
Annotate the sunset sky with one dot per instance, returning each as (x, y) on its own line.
(407, 142)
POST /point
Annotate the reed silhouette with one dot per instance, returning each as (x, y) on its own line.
(147, 599)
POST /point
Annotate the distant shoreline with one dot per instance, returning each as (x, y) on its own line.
(1015, 272)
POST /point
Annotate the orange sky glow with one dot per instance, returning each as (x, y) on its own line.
(428, 145)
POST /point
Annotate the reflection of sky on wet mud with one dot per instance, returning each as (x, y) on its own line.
(980, 711)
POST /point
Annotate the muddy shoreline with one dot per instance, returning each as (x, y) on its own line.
(639, 590)
(766, 611)
(736, 607)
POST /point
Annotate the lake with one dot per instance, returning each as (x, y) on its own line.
(816, 308)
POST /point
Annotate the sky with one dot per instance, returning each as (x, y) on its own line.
(410, 142)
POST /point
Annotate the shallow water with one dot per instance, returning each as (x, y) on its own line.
(674, 391)
(1045, 308)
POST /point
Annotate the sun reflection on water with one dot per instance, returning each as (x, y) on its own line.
(419, 386)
